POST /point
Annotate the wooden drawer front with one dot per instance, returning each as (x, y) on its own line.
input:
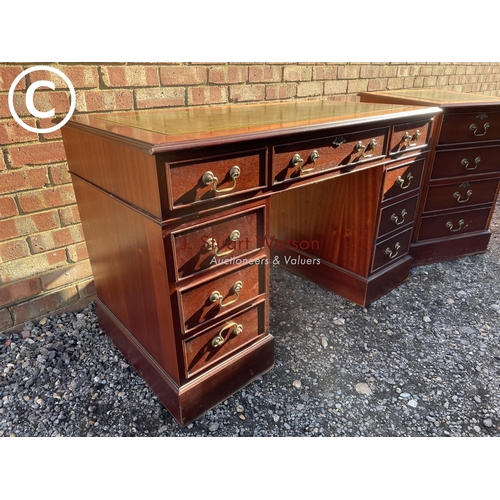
(409, 136)
(466, 162)
(441, 226)
(216, 243)
(333, 152)
(391, 249)
(221, 295)
(398, 215)
(470, 127)
(402, 179)
(195, 181)
(459, 195)
(216, 343)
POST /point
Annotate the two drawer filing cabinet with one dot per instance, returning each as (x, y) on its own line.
(185, 210)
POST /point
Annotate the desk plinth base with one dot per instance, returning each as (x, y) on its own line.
(358, 289)
(191, 400)
(438, 250)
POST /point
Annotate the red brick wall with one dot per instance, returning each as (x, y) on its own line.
(43, 259)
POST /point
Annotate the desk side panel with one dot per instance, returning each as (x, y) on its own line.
(127, 173)
(127, 255)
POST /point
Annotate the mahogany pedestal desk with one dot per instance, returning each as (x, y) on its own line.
(184, 209)
(461, 183)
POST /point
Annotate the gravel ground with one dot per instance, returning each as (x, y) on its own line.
(422, 361)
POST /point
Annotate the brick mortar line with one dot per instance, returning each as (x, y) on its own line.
(77, 305)
(44, 293)
(6, 159)
(31, 143)
(42, 233)
(40, 254)
(228, 85)
(34, 190)
(19, 191)
(55, 209)
(61, 287)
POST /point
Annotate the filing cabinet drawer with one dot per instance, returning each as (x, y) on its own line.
(207, 301)
(195, 181)
(218, 342)
(391, 249)
(466, 162)
(397, 215)
(470, 127)
(402, 179)
(292, 161)
(440, 226)
(215, 243)
(459, 195)
(409, 136)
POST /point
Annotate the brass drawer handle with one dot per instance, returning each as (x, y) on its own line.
(395, 218)
(216, 296)
(314, 156)
(461, 223)
(465, 163)
(407, 138)
(458, 196)
(474, 128)
(211, 244)
(400, 181)
(361, 147)
(298, 161)
(218, 340)
(209, 178)
(390, 253)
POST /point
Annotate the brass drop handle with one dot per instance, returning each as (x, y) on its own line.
(474, 128)
(218, 340)
(361, 147)
(216, 296)
(211, 244)
(209, 178)
(407, 138)
(465, 163)
(314, 156)
(395, 218)
(401, 182)
(391, 253)
(297, 160)
(461, 223)
(458, 196)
